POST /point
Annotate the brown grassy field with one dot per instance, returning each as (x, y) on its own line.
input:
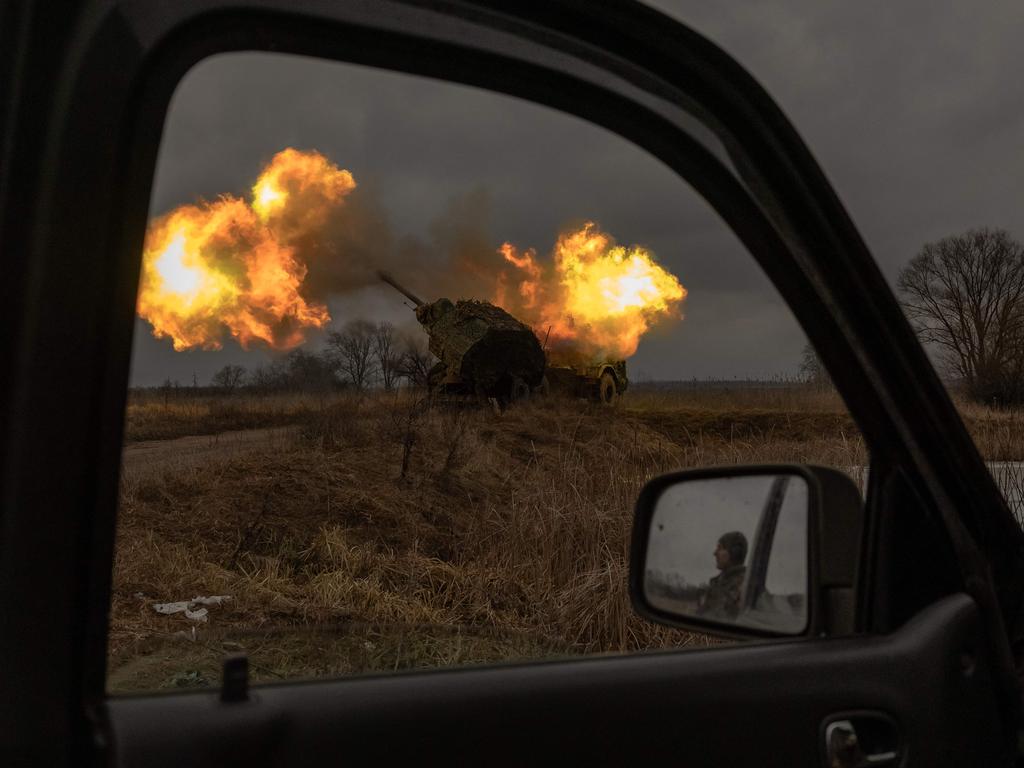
(151, 415)
(382, 535)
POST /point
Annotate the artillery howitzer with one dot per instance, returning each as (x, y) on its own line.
(482, 350)
(486, 352)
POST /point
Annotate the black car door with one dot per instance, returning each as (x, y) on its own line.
(929, 645)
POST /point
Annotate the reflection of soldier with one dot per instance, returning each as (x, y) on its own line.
(725, 591)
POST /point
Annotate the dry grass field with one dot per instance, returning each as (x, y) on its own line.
(382, 535)
(153, 416)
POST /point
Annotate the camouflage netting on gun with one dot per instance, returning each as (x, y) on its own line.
(481, 343)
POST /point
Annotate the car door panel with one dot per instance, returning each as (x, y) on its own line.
(758, 704)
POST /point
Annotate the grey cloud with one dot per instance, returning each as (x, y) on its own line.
(912, 108)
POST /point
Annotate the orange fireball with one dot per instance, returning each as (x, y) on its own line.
(597, 299)
(297, 191)
(230, 267)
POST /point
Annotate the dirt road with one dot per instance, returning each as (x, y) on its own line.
(139, 460)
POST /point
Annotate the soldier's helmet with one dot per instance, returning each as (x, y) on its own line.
(735, 543)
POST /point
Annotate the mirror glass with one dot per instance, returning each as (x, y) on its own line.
(731, 550)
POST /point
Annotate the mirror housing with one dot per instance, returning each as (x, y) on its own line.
(834, 535)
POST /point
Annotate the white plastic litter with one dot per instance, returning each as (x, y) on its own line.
(171, 607)
(191, 608)
(215, 600)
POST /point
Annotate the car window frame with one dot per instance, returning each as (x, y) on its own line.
(780, 205)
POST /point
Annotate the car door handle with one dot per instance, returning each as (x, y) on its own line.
(876, 744)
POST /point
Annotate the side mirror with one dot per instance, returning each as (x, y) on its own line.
(756, 551)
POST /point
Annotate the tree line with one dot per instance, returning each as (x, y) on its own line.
(359, 356)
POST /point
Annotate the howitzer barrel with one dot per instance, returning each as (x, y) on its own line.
(408, 294)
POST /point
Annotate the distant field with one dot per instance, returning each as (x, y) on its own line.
(379, 535)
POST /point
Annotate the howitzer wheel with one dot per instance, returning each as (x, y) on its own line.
(607, 389)
(514, 390)
(520, 390)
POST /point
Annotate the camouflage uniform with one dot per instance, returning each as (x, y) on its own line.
(724, 595)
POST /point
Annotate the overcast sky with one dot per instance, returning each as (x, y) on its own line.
(913, 109)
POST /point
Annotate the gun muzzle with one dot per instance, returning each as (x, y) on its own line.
(408, 294)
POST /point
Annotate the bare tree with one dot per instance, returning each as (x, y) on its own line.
(310, 372)
(812, 370)
(965, 295)
(351, 351)
(270, 377)
(228, 378)
(299, 370)
(385, 354)
(415, 362)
